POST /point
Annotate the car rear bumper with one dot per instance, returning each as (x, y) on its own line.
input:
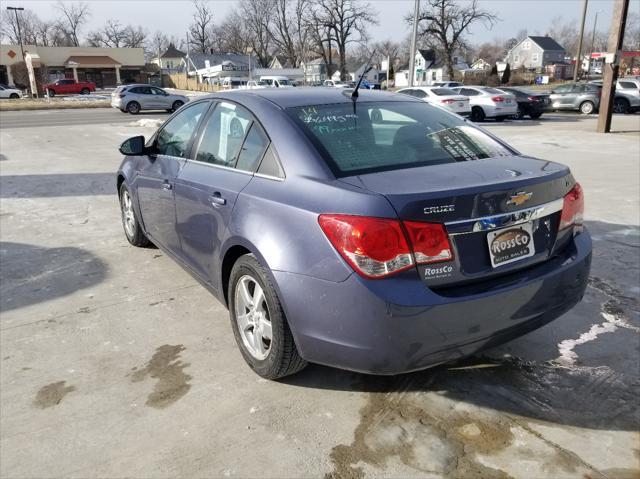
(494, 111)
(398, 325)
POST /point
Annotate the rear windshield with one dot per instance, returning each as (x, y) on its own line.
(377, 136)
(443, 91)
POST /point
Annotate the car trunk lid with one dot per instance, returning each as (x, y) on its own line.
(475, 199)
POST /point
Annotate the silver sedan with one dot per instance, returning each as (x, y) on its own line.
(134, 98)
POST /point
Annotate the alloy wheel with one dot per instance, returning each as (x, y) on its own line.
(128, 216)
(252, 317)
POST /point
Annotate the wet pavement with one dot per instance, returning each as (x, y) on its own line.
(114, 362)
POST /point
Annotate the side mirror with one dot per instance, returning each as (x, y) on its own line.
(133, 146)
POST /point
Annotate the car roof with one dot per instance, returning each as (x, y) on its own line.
(302, 96)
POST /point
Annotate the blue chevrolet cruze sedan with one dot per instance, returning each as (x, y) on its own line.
(375, 233)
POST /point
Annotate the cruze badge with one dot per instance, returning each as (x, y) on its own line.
(519, 198)
(439, 209)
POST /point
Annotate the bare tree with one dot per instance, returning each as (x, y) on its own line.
(632, 32)
(319, 27)
(491, 52)
(565, 33)
(29, 22)
(258, 15)
(288, 30)
(348, 20)
(231, 35)
(443, 24)
(201, 30)
(116, 35)
(72, 17)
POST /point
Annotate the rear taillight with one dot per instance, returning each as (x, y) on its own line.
(429, 241)
(374, 247)
(573, 209)
(497, 99)
(121, 95)
(378, 247)
(448, 102)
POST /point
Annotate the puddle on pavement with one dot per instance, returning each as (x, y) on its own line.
(172, 382)
(52, 394)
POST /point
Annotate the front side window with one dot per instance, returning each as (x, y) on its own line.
(175, 137)
(380, 136)
(224, 134)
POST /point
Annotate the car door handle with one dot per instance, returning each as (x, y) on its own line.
(167, 186)
(217, 200)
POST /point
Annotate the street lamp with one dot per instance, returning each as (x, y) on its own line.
(15, 11)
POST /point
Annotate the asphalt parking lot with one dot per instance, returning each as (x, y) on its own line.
(115, 362)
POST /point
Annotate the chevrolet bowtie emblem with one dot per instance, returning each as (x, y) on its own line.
(519, 198)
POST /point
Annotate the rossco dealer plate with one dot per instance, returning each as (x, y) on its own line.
(510, 244)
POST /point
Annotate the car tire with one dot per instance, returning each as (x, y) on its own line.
(477, 114)
(130, 222)
(519, 114)
(133, 107)
(51, 93)
(621, 105)
(176, 104)
(270, 358)
(14, 96)
(587, 107)
(85, 91)
(535, 116)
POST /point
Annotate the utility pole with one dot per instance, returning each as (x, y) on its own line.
(414, 42)
(15, 11)
(610, 70)
(579, 57)
(593, 37)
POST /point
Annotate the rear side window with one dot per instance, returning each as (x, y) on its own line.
(469, 92)
(379, 136)
(628, 84)
(493, 91)
(270, 165)
(252, 149)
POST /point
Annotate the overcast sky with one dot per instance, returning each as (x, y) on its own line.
(173, 17)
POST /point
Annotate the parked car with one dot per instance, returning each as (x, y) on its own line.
(530, 103)
(444, 97)
(489, 102)
(448, 84)
(380, 234)
(336, 84)
(135, 98)
(253, 85)
(10, 92)
(584, 97)
(627, 96)
(276, 81)
(69, 87)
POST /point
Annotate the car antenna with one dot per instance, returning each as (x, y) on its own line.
(354, 93)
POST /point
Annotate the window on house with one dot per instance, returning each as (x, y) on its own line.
(526, 46)
(534, 57)
(516, 59)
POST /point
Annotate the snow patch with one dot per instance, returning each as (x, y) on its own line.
(612, 322)
(147, 123)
